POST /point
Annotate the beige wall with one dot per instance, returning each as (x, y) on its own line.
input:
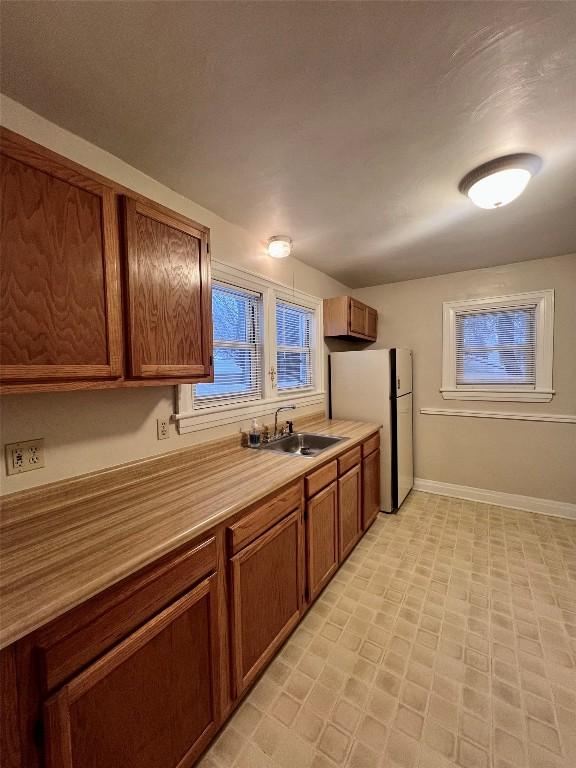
(87, 431)
(520, 457)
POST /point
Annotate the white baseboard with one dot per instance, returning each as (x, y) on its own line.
(512, 500)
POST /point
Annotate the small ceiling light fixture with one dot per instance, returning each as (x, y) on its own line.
(500, 181)
(279, 246)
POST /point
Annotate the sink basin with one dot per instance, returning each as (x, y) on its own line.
(303, 444)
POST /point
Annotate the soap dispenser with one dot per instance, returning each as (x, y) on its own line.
(254, 436)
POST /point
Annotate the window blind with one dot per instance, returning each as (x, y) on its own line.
(293, 346)
(237, 333)
(496, 346)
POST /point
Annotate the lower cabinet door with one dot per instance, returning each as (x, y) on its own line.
(371, 489)
(349, 508)
(266, 584)
(150, 702)
(322, 538)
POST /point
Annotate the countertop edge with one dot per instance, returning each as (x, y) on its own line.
(303, 465)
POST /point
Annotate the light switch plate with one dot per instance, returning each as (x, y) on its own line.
(163, 427)
(25, 456)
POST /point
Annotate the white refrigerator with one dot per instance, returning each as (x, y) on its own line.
(376, 385)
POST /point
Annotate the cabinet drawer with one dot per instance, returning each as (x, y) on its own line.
(348, 459)
(370, 445)
(76, 639)
(321, 478)
(264, 516)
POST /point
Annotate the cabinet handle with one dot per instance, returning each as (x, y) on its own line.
(398, 383)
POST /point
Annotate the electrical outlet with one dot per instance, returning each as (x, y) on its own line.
(163, 427)
(24, 457)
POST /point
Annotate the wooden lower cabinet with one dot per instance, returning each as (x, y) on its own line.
(322, 554)
(370, 489)
(144, 674)
(151, 702)
(266, 597)
(350, 509)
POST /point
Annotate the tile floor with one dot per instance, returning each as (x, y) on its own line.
(448, 638)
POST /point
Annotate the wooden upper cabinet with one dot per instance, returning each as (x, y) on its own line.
(59, 287)
(357, 323)
(168, 294)
(350, 318)
(99, 286)
(371, 323)
(152, 701)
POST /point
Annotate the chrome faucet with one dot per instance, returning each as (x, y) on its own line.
(282, 408)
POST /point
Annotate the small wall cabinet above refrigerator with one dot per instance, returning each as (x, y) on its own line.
(349, 318)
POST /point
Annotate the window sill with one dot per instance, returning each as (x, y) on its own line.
(219, 415)
(518, 396)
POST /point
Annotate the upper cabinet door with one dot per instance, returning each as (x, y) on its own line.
(371, 323)
(59, 286)
(357, 317)
(168, 294)
(349, 318)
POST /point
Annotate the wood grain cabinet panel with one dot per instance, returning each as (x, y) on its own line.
(168, 296)
(320, 478)
(349, 318)
(264, 516)
(59, 290)
(349, 509)
(371, 323)
(357, 317)
(370, 489)
(76, 639)
(370, 445)
(322, 555)
(266, 587)
(151, 702)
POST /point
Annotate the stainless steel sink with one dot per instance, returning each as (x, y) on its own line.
(303, 444)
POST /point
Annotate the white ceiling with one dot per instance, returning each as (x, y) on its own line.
(346, 125)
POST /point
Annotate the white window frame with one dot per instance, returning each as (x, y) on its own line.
(205, 404)
(288, 298)
(542, 391)
(190, 419)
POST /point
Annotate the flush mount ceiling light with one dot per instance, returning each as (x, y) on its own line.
(500, 181)
(279, 246)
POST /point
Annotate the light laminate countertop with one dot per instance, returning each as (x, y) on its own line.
(66, 542)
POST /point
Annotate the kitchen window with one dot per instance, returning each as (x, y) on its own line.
(499, 348)
(293, 346)
(237, 335)
(268, 343)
